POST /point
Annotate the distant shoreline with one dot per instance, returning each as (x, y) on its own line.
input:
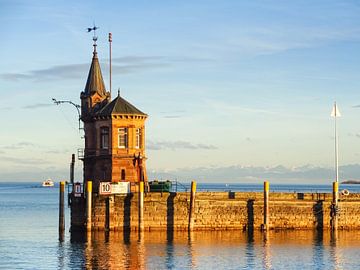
(351, 182)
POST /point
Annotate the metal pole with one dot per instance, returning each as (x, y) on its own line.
(88, 205)
(336, 151)
(266, 205)
(141, 206)
(110, 41)
(192, 205)
(334, 212)
(61, 211)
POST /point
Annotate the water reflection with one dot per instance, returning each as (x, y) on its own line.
(191, 250)
(318, 249)
(334, 253)
(249, 253)
(267, 253)
(201, 250)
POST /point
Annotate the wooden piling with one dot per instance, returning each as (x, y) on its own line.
(192, 205)
(141, 206)
(72, 165)
(88, 205)
(61, 210)
(266, 206)
(335, 205)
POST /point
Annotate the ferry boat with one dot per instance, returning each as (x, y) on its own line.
(48, 183)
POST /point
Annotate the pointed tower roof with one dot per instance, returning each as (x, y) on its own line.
(95, 82)
(119, 106)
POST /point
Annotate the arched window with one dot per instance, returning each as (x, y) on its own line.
(104, 138)
(122, 174)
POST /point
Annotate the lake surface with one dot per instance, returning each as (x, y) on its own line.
(29, 240)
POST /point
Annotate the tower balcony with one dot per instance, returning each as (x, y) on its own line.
(84, 153)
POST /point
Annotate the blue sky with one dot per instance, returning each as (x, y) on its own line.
(235, 90)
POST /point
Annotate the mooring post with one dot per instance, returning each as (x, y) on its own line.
(192, 205)
(88, 205)
(61, 210)
(335, 210)
(72, 165)
(141, 206)
(266, 205)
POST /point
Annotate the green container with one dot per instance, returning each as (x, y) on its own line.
(160, 186)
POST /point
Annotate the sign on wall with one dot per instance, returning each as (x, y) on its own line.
(107, 188)
(77, 189)
(120, 188)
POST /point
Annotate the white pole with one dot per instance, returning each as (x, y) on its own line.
(110, 41)
(336, 150)
(335, 113)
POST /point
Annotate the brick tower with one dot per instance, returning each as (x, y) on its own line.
(114, 134)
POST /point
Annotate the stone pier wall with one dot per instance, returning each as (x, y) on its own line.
(218, 211)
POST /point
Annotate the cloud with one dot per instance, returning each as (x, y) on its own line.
(71, 71)
(133, 59)
(356, 106)
(74, 71)
(173, 114)
(23, 161)
(63, 151)
(123, 65)
(162, 145)
(248, 174)
(32, 172)
(357, 135)
(37, 106)
(20, 145)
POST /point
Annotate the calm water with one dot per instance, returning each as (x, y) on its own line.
(29, 240)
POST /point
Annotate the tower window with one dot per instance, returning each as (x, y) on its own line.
(123, 137)
(104, 138)
(138, 138)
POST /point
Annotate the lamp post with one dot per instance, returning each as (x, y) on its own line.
(58, 102)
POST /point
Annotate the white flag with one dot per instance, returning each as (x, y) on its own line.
(335, 111)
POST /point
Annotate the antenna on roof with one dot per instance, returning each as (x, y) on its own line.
(110, 41)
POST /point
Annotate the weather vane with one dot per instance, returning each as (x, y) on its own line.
(94, 28)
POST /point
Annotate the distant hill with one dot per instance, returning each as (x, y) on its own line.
(351, 182)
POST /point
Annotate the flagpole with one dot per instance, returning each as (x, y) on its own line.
(335, 113)
(336, 149)
(110, 41)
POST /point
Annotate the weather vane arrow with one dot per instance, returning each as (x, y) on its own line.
(92, 29)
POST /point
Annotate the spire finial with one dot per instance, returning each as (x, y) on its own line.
(119, 92)
(94, 28)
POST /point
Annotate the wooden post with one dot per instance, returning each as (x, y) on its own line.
(334, 210)
(88, 205)
(61, 210)
(141, 206)
(192, 205)
(266, 205)
(72, 165)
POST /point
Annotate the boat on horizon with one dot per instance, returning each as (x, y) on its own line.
(48, 183)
